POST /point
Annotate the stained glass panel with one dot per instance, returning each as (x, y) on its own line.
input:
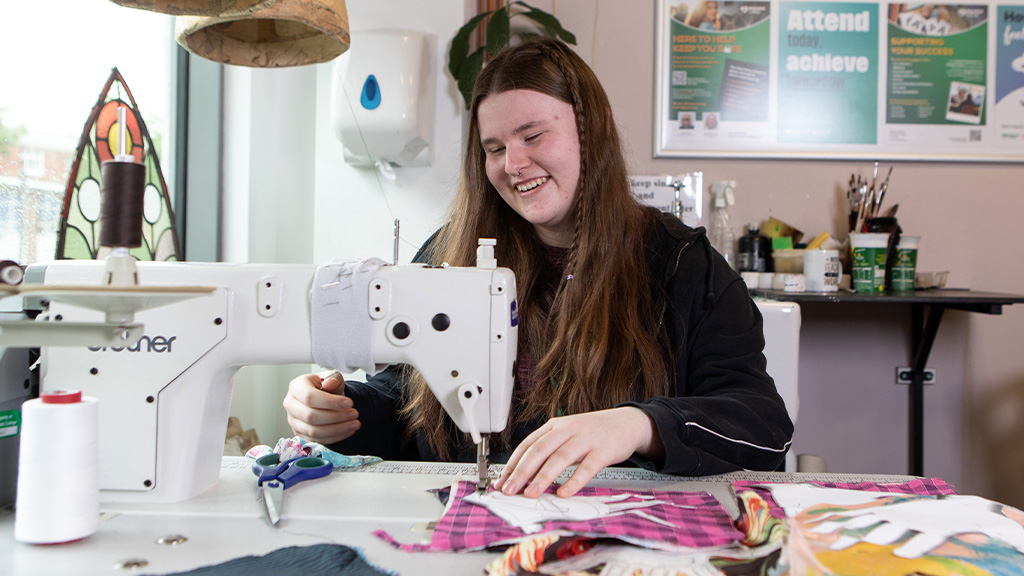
(80, 219)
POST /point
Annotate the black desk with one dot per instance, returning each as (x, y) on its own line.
(923, 330)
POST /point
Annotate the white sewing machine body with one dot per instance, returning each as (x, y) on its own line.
(164, 401)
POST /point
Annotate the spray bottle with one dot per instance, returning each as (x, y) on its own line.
(722, 237)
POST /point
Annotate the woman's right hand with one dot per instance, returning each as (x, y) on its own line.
(318, 409)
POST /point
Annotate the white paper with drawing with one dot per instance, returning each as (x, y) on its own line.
(928, 520)
(529, 514)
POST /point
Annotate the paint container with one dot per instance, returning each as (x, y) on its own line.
(794, 283)
(822, 270)
(891, 226)
(779, 282)
(905, 265)
(788, 260)
(868, 256)
(750, 279)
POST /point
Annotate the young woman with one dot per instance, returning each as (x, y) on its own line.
(705, 16)
(637, 342)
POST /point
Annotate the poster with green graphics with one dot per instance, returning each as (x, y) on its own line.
(719, 69)
(839, 79)
(937, 56)
(1008, 106)
(828, 73)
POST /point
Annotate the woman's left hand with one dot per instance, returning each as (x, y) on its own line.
(592, 440)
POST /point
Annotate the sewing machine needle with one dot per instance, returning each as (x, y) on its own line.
(396, 241)
(481, 463)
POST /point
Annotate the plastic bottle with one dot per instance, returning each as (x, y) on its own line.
(753, 250)
(722, 237)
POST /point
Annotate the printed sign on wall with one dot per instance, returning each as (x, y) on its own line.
(840, 79)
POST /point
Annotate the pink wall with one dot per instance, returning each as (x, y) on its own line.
(968, 215)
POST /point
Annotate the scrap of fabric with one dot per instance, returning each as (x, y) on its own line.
(760, 553)
(295, 447)
(530, 514)
(315, 560)
(679, 521)
(819, 546)
(579, 556)
(921, 527)
(918, 486)
(929, 521)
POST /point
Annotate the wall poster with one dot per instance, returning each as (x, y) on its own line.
(841, 79)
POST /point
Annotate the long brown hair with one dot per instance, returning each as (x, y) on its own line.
(592, 333)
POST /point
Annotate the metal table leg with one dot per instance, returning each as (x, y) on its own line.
(922, 337)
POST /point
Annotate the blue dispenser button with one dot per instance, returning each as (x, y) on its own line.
(370, 98)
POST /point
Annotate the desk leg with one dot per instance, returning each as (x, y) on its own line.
(922, 337)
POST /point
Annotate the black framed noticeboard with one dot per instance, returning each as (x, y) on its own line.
(840, 79)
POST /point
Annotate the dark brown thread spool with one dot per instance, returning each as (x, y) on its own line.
(11, 272)
(121, 206)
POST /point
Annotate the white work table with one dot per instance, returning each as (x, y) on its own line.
(226, 521)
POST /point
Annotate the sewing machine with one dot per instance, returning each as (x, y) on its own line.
(164, 399)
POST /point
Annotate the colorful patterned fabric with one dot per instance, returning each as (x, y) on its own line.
(295, 447)
(580, 556)
(528, 556)
(918, 486)
(814, 551)
(759, 555)
(687, 520)
(756, 520)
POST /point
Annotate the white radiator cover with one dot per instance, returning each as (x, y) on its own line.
(782, 350)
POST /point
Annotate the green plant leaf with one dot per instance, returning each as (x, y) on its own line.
(460, 44)
(523, 4)
(551, 25)
(468, 73)
(465, 67)
(498, 30)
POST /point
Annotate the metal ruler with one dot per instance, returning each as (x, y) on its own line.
(629, 474)
(620, 474)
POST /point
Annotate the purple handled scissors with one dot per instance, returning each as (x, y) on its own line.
(275, 476)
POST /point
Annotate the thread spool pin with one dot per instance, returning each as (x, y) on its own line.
(121, 209)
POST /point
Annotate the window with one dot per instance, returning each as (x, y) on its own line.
(59, 55)
(33, 162)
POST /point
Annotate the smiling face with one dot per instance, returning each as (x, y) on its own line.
(532, 151)
(712, 10)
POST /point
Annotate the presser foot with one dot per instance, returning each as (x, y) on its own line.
(481, 464)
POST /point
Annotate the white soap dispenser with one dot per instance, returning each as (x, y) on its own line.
(382, 98)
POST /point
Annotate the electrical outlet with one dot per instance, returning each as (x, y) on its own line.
(903, 375)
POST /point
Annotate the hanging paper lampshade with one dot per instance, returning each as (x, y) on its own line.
(287, 33)
(196, 7)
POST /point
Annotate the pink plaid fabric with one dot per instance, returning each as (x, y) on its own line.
(917, 487)
(467, 526)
